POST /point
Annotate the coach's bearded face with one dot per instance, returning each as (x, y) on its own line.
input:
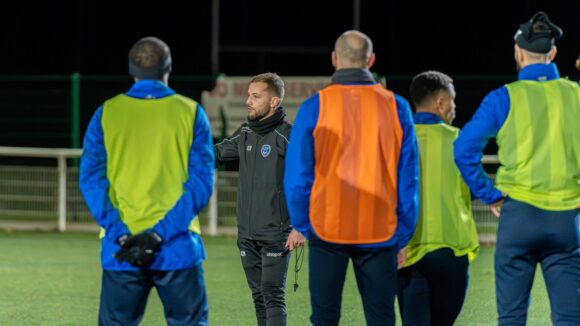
(259, 102)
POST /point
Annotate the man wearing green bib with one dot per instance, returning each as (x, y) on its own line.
(146, 172)
(536, 125)
(433, 282)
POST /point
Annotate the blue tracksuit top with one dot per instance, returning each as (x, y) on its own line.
(184, 249)
(299, 174)
(426, 118)
(485, 124)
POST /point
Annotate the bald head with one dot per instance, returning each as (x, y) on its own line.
(353, 49)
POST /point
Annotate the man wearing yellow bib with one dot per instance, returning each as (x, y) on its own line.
(146, 172)
(536, 125)
(433, 282)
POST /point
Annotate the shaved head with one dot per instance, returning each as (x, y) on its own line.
(353, 49)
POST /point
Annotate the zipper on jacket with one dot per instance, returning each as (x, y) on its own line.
(255, 160)
(281, 208)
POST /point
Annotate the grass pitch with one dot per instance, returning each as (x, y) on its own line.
(54, 279)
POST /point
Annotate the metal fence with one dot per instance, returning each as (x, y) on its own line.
(43, 193)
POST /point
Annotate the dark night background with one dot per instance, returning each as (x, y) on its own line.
(469, 40)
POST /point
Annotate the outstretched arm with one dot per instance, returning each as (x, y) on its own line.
(228, 150)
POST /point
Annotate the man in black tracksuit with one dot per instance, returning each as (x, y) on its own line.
(265, 236)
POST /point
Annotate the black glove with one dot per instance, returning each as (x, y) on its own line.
(139, 250)
(122, 239)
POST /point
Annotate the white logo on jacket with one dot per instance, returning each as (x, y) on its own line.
(266, 149)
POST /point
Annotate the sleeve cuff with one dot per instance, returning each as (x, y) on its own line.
(401, 245)
(496, 196)
(305, 231)
(160, 231)
(116, 231)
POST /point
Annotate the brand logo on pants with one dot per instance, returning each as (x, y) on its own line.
(273, 254)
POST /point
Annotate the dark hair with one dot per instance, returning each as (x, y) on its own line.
(274, 82)
(427, 84)
(149, 57)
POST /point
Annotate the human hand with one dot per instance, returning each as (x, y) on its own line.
(139, 250)
(135, 256)
(496, 207)
(147, 240)
(122, 239)
(295, 240)
(401, 258)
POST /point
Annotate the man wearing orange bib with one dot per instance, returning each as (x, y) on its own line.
(351, 184)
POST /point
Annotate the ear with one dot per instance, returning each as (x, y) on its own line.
(439, 105)
(371, 60)
(274, 102)
(334, 59)
(552, 54)
(518, 55)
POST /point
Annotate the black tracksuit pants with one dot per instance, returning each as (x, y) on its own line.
(266, 265)
(432, 291)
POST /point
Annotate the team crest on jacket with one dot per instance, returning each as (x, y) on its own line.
(266, 149)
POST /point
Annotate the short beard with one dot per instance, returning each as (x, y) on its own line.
(259, 115)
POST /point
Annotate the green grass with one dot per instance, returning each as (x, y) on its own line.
(54, 279)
